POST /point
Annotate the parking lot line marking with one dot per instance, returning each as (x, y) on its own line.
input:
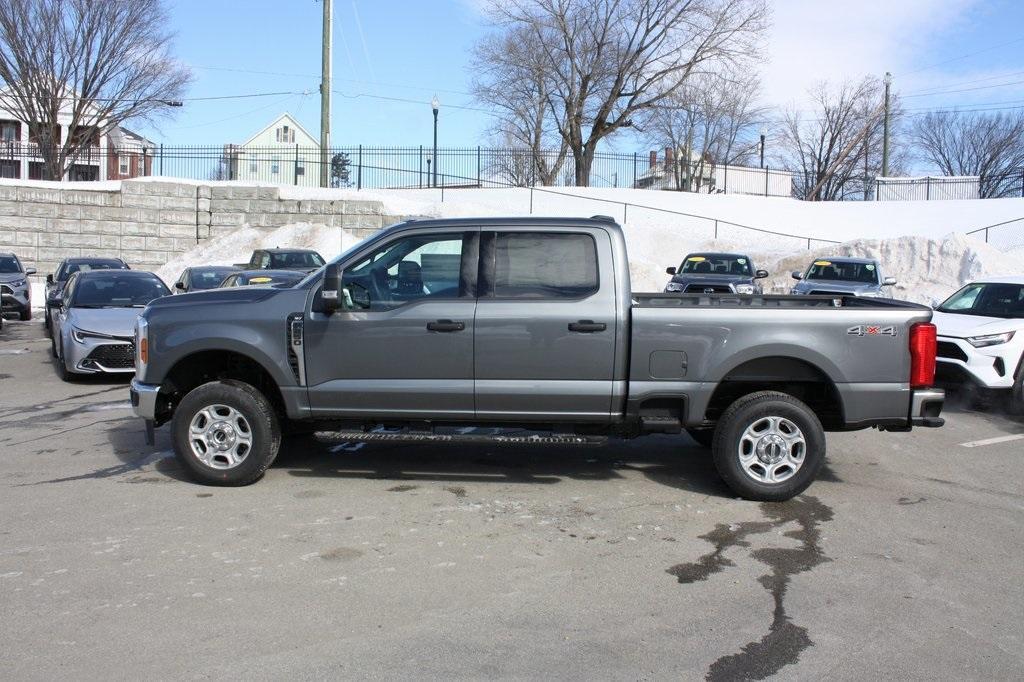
(992, 441)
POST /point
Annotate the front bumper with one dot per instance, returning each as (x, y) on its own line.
(926, 406)
(989, 366)
(15, 300)
(144, 398)
(107, 355)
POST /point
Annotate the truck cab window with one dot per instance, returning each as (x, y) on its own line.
(544, 265)
(410, 269)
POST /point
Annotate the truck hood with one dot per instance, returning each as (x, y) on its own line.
(712, 279)
(961, 326)
(109, 321)
(216, 296)
(837, 286)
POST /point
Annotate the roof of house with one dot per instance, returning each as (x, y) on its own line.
(284, 116)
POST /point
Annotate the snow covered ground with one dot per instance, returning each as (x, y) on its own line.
(919, 243)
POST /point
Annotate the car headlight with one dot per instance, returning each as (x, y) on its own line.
(80, 335)
(989, 339)
(745, 289)
(18, 283)
(672, 286)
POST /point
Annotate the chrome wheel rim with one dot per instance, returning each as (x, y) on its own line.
(220, 436)
(772, 449)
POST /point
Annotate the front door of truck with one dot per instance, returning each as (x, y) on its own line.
(545, 325)
(406, 350)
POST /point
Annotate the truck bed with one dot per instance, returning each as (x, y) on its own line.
(663, 300)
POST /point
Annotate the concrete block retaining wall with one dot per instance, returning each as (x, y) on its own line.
(148, 223)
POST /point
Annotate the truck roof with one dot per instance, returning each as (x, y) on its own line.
(543, 221)
(843, 259)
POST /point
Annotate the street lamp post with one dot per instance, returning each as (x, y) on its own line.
(435, 105)
(764, 132)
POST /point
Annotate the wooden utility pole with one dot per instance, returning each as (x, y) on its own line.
(885, 128)
(325, 95)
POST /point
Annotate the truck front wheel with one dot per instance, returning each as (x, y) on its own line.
(768, 446)
(225, 433)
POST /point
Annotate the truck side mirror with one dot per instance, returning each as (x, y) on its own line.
(30, 271)
(180, 286)
(49, 278)
(797, 274)
(670, 271)
(330, 294)
(889, 281)
(760, 274)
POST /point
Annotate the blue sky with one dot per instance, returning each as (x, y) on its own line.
(942, 53)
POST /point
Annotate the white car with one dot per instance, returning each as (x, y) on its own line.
(981, 336)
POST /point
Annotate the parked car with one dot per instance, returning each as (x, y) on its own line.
(981, 337)
(843, 277)
(202, 277)
(304, 260)
(526, 323)
(55, 282)
(15, 287)
(93, 320)
(715, 273)
(263, 278)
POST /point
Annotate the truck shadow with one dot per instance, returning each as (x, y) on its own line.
(674, 462)
(992, 407)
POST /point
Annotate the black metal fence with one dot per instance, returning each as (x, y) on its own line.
(382, 167)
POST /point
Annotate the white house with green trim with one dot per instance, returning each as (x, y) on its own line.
(283, 153)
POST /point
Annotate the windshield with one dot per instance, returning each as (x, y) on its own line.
(209, 279)
(117, 291)
(865, 273)
(9, 264)
(292, 259)
(715, 264)
(71, 268)
(987, 300)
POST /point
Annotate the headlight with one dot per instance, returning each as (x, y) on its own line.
(672, 286)
(80, 336)
(744, 288)
(18, 283)
(989, 340)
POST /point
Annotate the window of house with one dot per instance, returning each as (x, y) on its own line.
(254, 167)
(544, 265)
(83, 173)
(10, 169)
(275, 166)
(285, 134)
(10, 131)
(37, 171)
(300, 169)
(124, 165)
(43, 135)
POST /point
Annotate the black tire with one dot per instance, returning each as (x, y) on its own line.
(62, 367)
(259, 416)
(1017, 393)
(704, 437)
(46, 321)
(748, 411)
(25, 315)
(53, 347)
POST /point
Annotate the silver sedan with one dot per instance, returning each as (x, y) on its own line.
(93, 320)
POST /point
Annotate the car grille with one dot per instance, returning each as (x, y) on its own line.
(823, 292)
(114, 355)
(715, 288)
(947, 349)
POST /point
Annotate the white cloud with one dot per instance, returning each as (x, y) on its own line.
(834, 40)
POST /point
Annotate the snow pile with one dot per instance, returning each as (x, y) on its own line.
(237, 246)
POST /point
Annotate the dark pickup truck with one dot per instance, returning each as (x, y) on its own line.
(433, 326)
(303, 260)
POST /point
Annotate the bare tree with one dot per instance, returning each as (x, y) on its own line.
(989, 145)
(607, 61)
(93, 63)
(512, 79)
(828, 145)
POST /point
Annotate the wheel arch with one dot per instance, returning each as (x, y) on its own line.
(203, 366)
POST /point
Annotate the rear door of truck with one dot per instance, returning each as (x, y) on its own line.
(545, 328)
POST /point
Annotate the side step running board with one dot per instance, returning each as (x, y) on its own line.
(456, 438)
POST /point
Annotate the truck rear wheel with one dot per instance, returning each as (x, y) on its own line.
(768, 446)
(225, 433)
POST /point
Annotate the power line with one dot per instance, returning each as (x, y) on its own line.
(940, 88)
(964, 56)
(345, 80)
(408, 101)
(952, 92)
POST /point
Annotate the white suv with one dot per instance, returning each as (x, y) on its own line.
(981, 335)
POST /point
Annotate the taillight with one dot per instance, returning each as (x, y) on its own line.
(922, 354)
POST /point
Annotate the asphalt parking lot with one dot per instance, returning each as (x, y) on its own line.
(629, 561)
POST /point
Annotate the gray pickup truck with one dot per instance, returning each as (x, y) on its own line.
(432, 327)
